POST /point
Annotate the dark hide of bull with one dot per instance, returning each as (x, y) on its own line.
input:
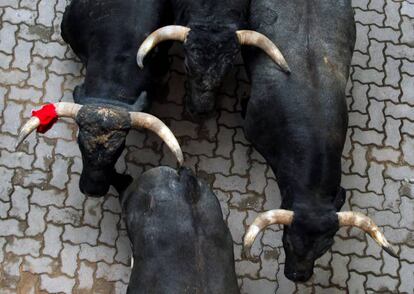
(106, 35)
(211, 46)
(299, 122)
(180, 241)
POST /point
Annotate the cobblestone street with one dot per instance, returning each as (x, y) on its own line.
(54, 239)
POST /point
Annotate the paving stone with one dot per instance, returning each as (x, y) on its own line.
(85, 277)
(258, 286)
(113, 272)
(224, 135)
(69, 259)
(58, 284)
(37, 71)
(112, 203)
(356, 284)
(17, 16)
(61, 176)
(235, 223)
(321, 276)
(272, 193)
(6, 188)
(123, 248)
(381, 283)
(385, 154)
(406, 276)
(365, 265)
(7, 37)
(269, 264)
(257, 178)
(47, 197)
(376, 53)
(22, 50)
(24, 246)
(93, 211)
(359, 158)
(375, 173)
(11, 116)
(393, 75)
(400, 172)
(46, 12)
(61, 216)
(284, 285)
(354, 181)
(230, 183)
(35, 220)
(80, 235)
(407, 254)
(247, 268)
(52, 242)
(393, 136)
(39, 265)
(109, 225)
(406, 209)
(75, 197)
(19, 203)
(97, 253)
(214, 165)
(365, 200)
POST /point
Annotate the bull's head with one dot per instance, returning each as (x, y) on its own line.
(209, 53)
(308, 235)
(102, 134)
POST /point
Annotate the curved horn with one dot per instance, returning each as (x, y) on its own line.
(365, 223)
(271, 217)
(173, 32)
(150, 122)
(63, 109)
(26, 130)
(259, 40)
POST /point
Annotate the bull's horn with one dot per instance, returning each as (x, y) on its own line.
(259, 40)
(63, 109)
(365, 223)
(173, 32)
(271, 217)
(150, 122)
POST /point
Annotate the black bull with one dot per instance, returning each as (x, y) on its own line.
(299, 123)
(212, 32)
(180, 241)
(105, 35)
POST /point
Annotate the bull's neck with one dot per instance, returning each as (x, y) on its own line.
(114, 77)
(313, 176)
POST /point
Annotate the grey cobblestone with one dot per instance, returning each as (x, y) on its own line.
(62, 241)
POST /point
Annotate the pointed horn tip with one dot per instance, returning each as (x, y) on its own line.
(140, 62)
(246, 254)
(287, 69)
(17, 144)
(391, 251)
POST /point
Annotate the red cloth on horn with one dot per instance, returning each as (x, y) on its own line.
(47, 116)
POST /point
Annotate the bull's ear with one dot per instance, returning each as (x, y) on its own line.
(340, 199)
(142, 104)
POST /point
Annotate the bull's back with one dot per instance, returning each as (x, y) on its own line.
(301, 118)
(317, 38)
(183, 244)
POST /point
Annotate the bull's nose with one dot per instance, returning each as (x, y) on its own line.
(93, 188)
(299, 276)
